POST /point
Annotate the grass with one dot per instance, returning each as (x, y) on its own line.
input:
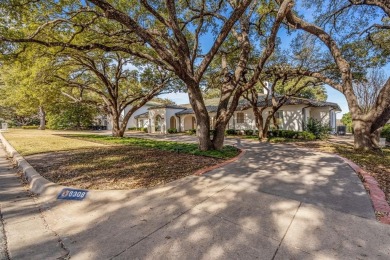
(377, 164)
(187, 148)
(117, 167)
(28, 142)
(83, 160)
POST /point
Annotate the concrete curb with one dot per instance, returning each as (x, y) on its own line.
(377, 196)
(37, 183)
(208, 169)
(40, 185)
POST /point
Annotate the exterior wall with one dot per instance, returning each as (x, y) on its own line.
(171, 112)
(320, 113)
(143, 122)
(153, 113)
(186, 122)
(294, 116)
(166, 114)
(249, 120)
(132, 121)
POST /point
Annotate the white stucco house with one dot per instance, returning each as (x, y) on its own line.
(158, 118)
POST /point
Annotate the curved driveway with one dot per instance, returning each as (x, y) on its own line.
(276, 202)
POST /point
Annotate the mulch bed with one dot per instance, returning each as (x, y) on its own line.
(117, 167)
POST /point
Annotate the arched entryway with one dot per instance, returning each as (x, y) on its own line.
(158, 123)
(172, 122)
(189, 123)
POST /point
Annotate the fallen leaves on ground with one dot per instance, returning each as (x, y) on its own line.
(117, 167)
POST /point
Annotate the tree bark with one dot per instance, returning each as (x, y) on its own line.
(116, 125)
(42, 118)
(365, 125)
(201, 115)
(365, 140)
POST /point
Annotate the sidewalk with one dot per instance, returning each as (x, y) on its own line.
(23, 222)
(276, 202)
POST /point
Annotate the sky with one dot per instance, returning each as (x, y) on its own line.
(333, 95)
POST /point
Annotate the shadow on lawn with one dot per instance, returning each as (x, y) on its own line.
(117, 167)
(240, 211)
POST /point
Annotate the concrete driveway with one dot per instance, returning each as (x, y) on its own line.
(276, 202)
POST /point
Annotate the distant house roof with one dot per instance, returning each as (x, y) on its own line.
(212, 105)
(262, 101)
(143, 115)
(187, 111)
(167, 106)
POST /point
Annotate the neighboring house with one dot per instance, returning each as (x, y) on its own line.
(293, 115)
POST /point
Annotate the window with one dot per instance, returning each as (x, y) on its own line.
(240, 118)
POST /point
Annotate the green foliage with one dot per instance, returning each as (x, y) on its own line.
(277, 136)
(75, 116)
(347, 121)
(225, 152)
(248, 132)
(306, 136)
(172, 131)
(283, 133)
(132, 128)
(231, 132)
(164, 101)
(293, 86)
(26, 84)
(145, 129)
(385, 133)
(319, 129)
(191, 131)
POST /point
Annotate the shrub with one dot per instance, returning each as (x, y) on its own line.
(284, 134)
(306, 136)
(231, 132)
(212, 132)
(248, 132)
(30, 127)
(132, 128)
(386, 132)
(172, 131)
(145, 129)
(319, 129)
(75, 116)
(191, 131)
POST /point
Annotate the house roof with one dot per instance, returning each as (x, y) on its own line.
(143, 115)
(262, 101)
(167, 106)
(187, 111)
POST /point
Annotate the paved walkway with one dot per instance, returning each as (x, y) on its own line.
(276, 202)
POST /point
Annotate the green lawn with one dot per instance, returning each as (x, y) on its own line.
(90, 161)
(33, 141)
(225, 153)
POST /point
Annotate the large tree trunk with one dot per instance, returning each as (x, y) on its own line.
(219, 136)
(364, 139)
(202, 117)
(42, 118)
(117, 130)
